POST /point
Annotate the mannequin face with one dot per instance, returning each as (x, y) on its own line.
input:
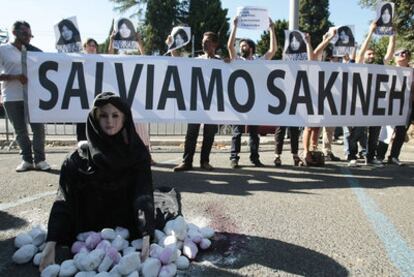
(344, 37)
(386, 16)
(67, 33)
(124, 31)
(294, 44)
(111, 120)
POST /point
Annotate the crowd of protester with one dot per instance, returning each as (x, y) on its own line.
(359, 142)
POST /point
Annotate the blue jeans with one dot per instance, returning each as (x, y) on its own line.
(353, 135)
(15, 113)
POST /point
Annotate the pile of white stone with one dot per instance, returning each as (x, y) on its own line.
(109, 253)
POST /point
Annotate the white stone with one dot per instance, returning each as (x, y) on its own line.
(24, 254)
(22, 239)
(182, 263)
(151, 267)
(108, 234)
(129, 263)
(67, 268)
(51, 271)
(168, 270)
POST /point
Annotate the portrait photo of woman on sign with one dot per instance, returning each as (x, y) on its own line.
(385, 12)
(67, 36)
(125, 35)
(345, 37)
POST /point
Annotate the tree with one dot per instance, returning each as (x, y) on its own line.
(379, 45)
(314, 19)
(103, 48)
(160, 17)
(264, 42)
(208, 15)
(124, 5)
(403, 20)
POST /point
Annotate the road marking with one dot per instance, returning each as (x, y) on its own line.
(399, 252)
(5, 206)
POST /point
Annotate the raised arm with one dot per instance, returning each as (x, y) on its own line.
(327, 37)
(141, 47)
(390, 50)
(232, 40)
(169, 41)
(273, 43)
(111, 49)
(309, 48)
(364, 45)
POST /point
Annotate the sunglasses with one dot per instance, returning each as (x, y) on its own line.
(401, 53)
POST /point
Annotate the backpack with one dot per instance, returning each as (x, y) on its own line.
(167, 205)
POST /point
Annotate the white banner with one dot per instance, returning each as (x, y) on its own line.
(61, 88)
(254, 18)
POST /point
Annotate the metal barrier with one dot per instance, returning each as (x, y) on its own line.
(69, 129)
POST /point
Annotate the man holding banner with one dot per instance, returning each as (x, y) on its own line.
(247, 51)
(210, 44)
(366, 55)
(13, 82)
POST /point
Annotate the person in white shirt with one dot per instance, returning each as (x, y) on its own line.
(13, 81)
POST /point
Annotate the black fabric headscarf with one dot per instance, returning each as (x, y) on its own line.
(120, 151)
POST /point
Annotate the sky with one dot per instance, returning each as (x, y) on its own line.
(94, 17)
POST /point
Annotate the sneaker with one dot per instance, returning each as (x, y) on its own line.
(353, 163)
(331, 157)
(234, 164)
(43, 166)
(278, 162)
(395, 161)
(183, 167)
(206, 166)
(258, 163)
(24, 166)
(374, 162)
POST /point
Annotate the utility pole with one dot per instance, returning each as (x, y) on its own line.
(294, 15)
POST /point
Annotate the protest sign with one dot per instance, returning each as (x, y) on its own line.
(385, 14)
(295, 46)
(125, 37)
(254, 18)
(68, 39)
(180, 37)
(343, 41)
(61, 88)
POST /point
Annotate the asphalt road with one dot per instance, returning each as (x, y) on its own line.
(288, 221)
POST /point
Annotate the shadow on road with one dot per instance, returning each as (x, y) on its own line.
(8, 221)
(235, 251)
(287, 179)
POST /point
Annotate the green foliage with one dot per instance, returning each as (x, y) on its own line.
(314, 19)
(264, 42)
(379, 45)
(103, 48)
(123, 6)
(403, 20)
(160, 17)
(208, 15)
